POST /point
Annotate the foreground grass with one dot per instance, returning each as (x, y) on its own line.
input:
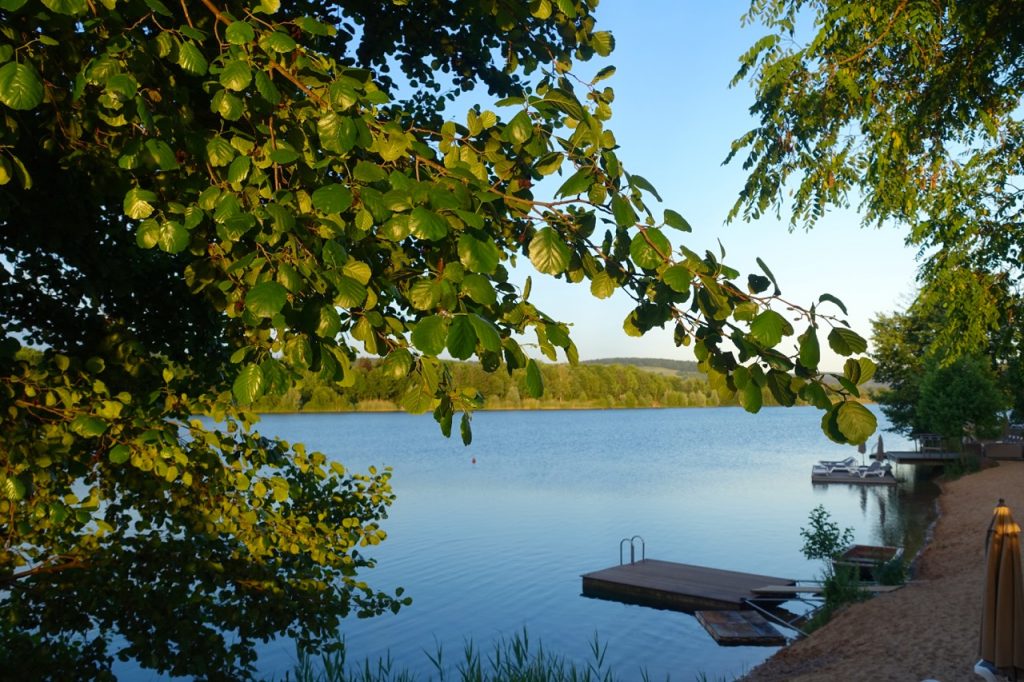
(511, 660)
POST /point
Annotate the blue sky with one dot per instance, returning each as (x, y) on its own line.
(674, 118)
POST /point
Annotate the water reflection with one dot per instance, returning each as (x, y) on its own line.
(489, 547)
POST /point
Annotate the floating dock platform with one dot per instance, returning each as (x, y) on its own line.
(842, 477)
(678, 587)
(739, 628)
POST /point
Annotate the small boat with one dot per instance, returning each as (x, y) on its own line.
(866, 558)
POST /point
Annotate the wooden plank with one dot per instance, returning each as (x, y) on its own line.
(739, 628)
(670, 585)
(783, 590)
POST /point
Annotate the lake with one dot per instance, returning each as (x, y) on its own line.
(492, 538)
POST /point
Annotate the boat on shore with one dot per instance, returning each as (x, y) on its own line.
(866, 559)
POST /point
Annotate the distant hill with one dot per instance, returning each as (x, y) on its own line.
(684, 368)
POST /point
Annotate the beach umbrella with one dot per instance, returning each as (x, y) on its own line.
(1002, 623)
(862, 448)
(880, 449)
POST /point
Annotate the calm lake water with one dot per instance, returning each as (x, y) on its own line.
(489, 548)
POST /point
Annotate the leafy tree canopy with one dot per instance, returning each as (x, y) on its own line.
(961, 398)
(203, 201)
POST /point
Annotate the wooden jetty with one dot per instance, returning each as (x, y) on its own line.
(930, 449)
(678, 587)
(922, 456)
(856, 479)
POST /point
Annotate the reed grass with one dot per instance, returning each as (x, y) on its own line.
(513, 659)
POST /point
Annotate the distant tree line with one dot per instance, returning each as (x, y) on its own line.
(565, 386)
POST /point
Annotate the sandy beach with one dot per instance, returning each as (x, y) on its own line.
(928, 629)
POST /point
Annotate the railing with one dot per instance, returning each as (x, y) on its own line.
(632, 549)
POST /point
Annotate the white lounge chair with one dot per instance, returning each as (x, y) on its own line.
(876, 468)
(846, 466)
(832, 463)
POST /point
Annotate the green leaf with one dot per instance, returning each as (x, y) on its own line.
(20, 86)
(769, 327)
(266, 88)
(830, 424)
(851, 369)
(369, 172)
(855, 421)
(578, 182)
(68, 7)
(750, 397)
(119, 454)
(219, 151)
(239, 33)
(519, 129)
(461, 340)
(88, 426)
(239, 169)
(236, 75)
(815, 395)
(602, 285)
(191, 59)
(673, 219)
(266, 299)
(465, 430)
(833, 299)
(867, 370)
(846, 342)
(479, 288)
(650, 249)
(548, 252)
(678, 277)
(227, 105)
(486, 333)
(430, 335)
(603, 43)
(270, 6)
(249, 385)
(810, 351)
(623, 211)
(148, 234)
(155, 5)
(332, 199)
(478, 255)
(549, 163)
(768, 272)
(425, 294)
(278, 41)
(136, 203)
(534, 380)
(172, 237)
(780, 385)
(757, 283)
(162, 154)
(14, 489)
(351, 293)
(284, 155)
(426, 224)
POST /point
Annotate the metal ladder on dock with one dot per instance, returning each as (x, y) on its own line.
(632, 549)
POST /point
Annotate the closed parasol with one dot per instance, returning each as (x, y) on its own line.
(1002, 623)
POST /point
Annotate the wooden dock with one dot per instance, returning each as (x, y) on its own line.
(678, 587)
(854, 479)
(739, 628)
(922, 456)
